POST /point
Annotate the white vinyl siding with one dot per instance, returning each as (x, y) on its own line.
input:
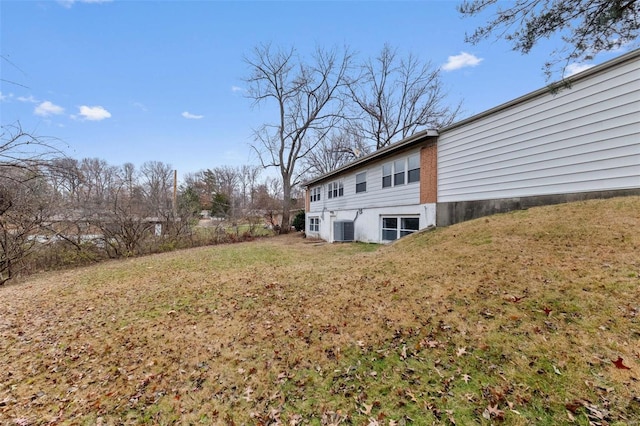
(375, 196)
(584, 138)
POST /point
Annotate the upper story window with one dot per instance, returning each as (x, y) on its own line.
(315, 194)
(398, 172)
(335, 190)
(413, 162)
(361, 182)
(401, 171)
(386, 175)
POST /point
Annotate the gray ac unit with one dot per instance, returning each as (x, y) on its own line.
(343, 230)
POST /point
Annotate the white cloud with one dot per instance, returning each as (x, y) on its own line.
(69, 3)
(190, 116)
(48, 108)
(5, 97)
(140, 106)
(236, 89)
(29, 99)
(462, 60)
(93, 113)
(575, 69)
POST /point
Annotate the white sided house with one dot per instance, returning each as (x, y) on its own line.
(577, 142)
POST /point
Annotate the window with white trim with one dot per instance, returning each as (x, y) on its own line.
(335, 190)
(361, 182)
(398, 172)
(401, 171)
(386, 175)
(314, 224)
(413, 162)
(394, 227)
(315, 194)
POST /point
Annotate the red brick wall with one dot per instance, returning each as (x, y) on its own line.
(307, 200)
(429, 173)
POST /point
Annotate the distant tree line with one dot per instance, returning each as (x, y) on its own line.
(57, 211)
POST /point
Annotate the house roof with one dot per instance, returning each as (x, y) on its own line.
(432, 133)
(392, 149)
(560, 85)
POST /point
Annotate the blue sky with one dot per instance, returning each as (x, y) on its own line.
(134, 81)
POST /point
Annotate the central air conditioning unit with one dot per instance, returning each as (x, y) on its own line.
(343, 230)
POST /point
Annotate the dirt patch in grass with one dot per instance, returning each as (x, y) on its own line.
(528, 318)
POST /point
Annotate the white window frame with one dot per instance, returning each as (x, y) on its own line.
(315, 194)
(400, 229)
(362, 185)
(399, 172)
(335, 189)
(314, 224)
(387, 172)
(415, 159)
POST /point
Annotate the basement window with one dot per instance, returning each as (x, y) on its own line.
(394, 227)
(314, 224)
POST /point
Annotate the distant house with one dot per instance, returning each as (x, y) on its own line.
(581, 141)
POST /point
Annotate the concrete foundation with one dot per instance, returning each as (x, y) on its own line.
(460, 211)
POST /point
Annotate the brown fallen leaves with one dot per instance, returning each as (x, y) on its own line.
(493, 413)
(620, 365)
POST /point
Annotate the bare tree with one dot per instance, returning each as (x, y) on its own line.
(305, 93)
(157, 184)
(587, 27)
(248, 180)
(100, 183)
(341, 147)
(66, 179)
(25, 204)
(129, 176)
(20, 150)
(227, 178)
(122, 231)
(25, 195)
(395, 96)
(267, 201)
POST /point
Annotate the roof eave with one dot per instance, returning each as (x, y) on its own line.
(381, 153)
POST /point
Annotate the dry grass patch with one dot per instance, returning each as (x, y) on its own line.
(515, 318)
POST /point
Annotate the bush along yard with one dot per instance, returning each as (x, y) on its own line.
(531, 317)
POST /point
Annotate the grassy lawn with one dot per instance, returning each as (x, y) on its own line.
(531, 317)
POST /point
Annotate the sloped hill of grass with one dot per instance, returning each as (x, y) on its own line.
(530, 317)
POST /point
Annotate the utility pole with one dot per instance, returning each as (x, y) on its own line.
(175, 193)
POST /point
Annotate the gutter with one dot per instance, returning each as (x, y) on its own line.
(404, 143)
